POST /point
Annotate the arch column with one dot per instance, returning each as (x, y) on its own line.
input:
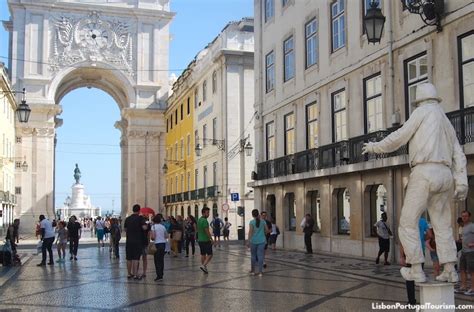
(142, 145)
(37, 148)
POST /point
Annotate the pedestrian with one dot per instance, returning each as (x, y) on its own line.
(13, 235)
(159, 234)
(459, 238)
(176, 235)
(180, 221)
(204, 239)
(47, 236)
(410, 285)
(466, 263)
(106, 228)
(216, 225)
(61, 241)
(145, 241)
(74, 234)
(190, 234)
(226, 230)
(37, 230)
(256, 241)
(99, 229)
(308, 232)
(438, 174)
(134, 227)
(115, 236)
(273, 235)
(431, 245)
(383, 233)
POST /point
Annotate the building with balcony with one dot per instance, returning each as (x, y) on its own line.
(7, 151)
(322, 91)
(207, 154)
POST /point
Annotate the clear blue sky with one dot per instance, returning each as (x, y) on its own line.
(96, 148)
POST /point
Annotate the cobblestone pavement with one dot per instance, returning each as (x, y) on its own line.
(292, 281)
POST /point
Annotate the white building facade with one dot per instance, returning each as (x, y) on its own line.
(222, 80)
(322, 91)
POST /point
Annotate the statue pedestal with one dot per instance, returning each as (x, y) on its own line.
(437, 293)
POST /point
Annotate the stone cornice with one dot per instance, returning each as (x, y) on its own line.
(48, 109)
(143, 134)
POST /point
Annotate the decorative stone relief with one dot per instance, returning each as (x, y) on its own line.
(91, 39)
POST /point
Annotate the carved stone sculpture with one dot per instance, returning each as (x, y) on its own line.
(77, 174)
(438, 172)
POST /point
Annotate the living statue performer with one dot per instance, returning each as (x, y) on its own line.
(438, 174)
(77, 174)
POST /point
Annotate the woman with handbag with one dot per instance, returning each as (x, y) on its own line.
(159, 235)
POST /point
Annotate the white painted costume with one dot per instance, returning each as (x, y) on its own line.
(438, 169)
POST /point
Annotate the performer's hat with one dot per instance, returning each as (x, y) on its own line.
(426, 92)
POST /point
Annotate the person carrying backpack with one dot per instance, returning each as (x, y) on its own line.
(217, 225)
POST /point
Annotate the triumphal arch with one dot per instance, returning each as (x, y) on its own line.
(120, 47)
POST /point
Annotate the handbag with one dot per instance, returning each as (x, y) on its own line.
(151, 248)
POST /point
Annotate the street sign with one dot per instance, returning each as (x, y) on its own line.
(234, 197)
(225, 207)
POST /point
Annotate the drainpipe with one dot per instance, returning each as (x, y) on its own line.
(395, 115)
(391, 186)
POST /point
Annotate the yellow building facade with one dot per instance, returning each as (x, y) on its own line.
(7, 150)
(179, 162)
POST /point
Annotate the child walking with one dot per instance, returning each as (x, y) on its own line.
(61, 241)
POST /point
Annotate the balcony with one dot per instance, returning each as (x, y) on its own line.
(194, 195)
(212, 191)
(463, 123)
(179, 197)
(186, 196)
(202, 193)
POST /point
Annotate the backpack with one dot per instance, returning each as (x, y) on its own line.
(217, 224)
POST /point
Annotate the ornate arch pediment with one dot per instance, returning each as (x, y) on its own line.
(92, 39)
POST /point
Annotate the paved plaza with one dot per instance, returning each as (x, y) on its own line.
(293, 281)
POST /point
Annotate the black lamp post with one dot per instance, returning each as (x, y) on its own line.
(374, 22)
(165, 168)
(23, 111)
(248, 149)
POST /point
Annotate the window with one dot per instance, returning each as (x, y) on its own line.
(290, 134)
(314, 209)
(466, 57)
(204, 177)
(373, 103)
(189, 181)
(204, 135)
(338, 25)
(204, 91)
(289, 202)
(182, 148)
(378, 204)
(214, 173)
(18, 190)
(269, 10)
(176, 117)
(214, 82)
(214, 130)
(289, 61)
(416, 73)
(176, 184)
(339, 122)
(176, 151)
(270, 71)
(343, 211)
(311, 34)
(171, 119)
(18, 164)
(196, 178)
(196, 97)
(182, 183)
(188, 147)
(18, 139)
(196, 137)
(312, 126)
(189, 105)
(270, 146)
(182, 111)
(167, 125)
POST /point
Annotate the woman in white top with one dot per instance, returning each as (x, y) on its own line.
(159, 235)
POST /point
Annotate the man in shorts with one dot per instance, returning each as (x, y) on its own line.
(134, 226)
(204, 239)
(466, 262)
(217, 225)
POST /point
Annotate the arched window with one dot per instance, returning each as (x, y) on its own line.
(214, 82)
(290, 208)
(204, 91)
(343, 205)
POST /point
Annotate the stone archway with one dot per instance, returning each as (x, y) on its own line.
(120, 47)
